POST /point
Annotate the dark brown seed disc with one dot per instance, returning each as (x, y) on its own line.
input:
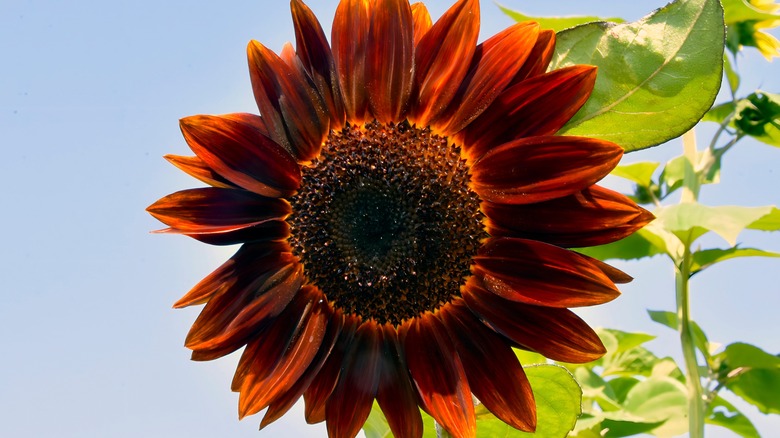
(385, 223)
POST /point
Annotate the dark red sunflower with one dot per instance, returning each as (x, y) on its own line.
(404, 211)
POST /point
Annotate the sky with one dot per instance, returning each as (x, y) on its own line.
(90, 97)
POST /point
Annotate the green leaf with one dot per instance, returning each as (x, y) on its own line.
(529, 357)
(719, 113)
(759, 117)
(705, 258)
(625, 340)
(691, 220)
(633, 247)
(376, 425)
(657, 76)
(759, 387)
(742, 355)
(640, 173)
(556, 23)
(558, 399)
(595, 388)
(731, 75)
(741, 10)
(660, 399)
(670, 320)
(768, 222)
(724, 414)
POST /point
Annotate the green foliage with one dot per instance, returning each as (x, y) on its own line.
(757, 115)
(724, 414)
(557, 398)
(671, 320)
(645, 93)
(556, 23)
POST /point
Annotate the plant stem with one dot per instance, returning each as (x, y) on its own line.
(695, 399)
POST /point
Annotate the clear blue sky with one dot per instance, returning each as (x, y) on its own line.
(90, 96)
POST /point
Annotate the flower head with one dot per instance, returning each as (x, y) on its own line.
(404, 211)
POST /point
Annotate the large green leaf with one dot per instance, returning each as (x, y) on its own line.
(556, 23)
(707, 257)
(724, 414)
(760, 387)
(657, 76)
(661, 399)
(558, 399)
(742, 355)
(691, 220)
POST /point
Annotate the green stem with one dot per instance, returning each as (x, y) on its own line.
(695, 393)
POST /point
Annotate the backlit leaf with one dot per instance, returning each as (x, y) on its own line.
(656, 78)
(660, 399)
(724, 414)
(768, 222)
(705, 258)
(691, 220)
(759, 387)
(742, 10)
(640, 173)
(556, 23)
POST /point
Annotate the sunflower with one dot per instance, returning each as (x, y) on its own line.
(404, 211)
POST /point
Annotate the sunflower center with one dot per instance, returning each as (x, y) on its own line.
(385, 223)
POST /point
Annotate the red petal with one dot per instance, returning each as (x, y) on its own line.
(195, 167)
(442, 59)
(276, 367)
(539, 59)
(538, 169)
(317, 394)
(285, 400)
(537, 106)
(290, 105)
(265, 231)
(242, 154)
(350, 45)
(315, 54)
(495, 375)
(492, 68)
(541, 274)
(258, 305)
(390, 62)
(594, 216)
(555, 333)
(422, 21)
(350, 403)
(395, 394)
(214, 210)
(439, 376)
(232, 274)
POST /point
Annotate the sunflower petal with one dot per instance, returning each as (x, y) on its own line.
(395, 394)
(264, 231)
(390, 62)
(258, 389)
(537, 106)
(260, 303)
(538, 169)
(291, 107)
(422, 21)
(317, 394)
(197, 168)
(520, 270)
(242, 154)
(258, 257)
(315, 54)
(350, 403)
(214, 210)
(285, 400)
(498, 382)
(350, 45)
(439, 376)
(555, 333)
(594, 216)
(539, 59)
(492, 68)
(438, 76)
